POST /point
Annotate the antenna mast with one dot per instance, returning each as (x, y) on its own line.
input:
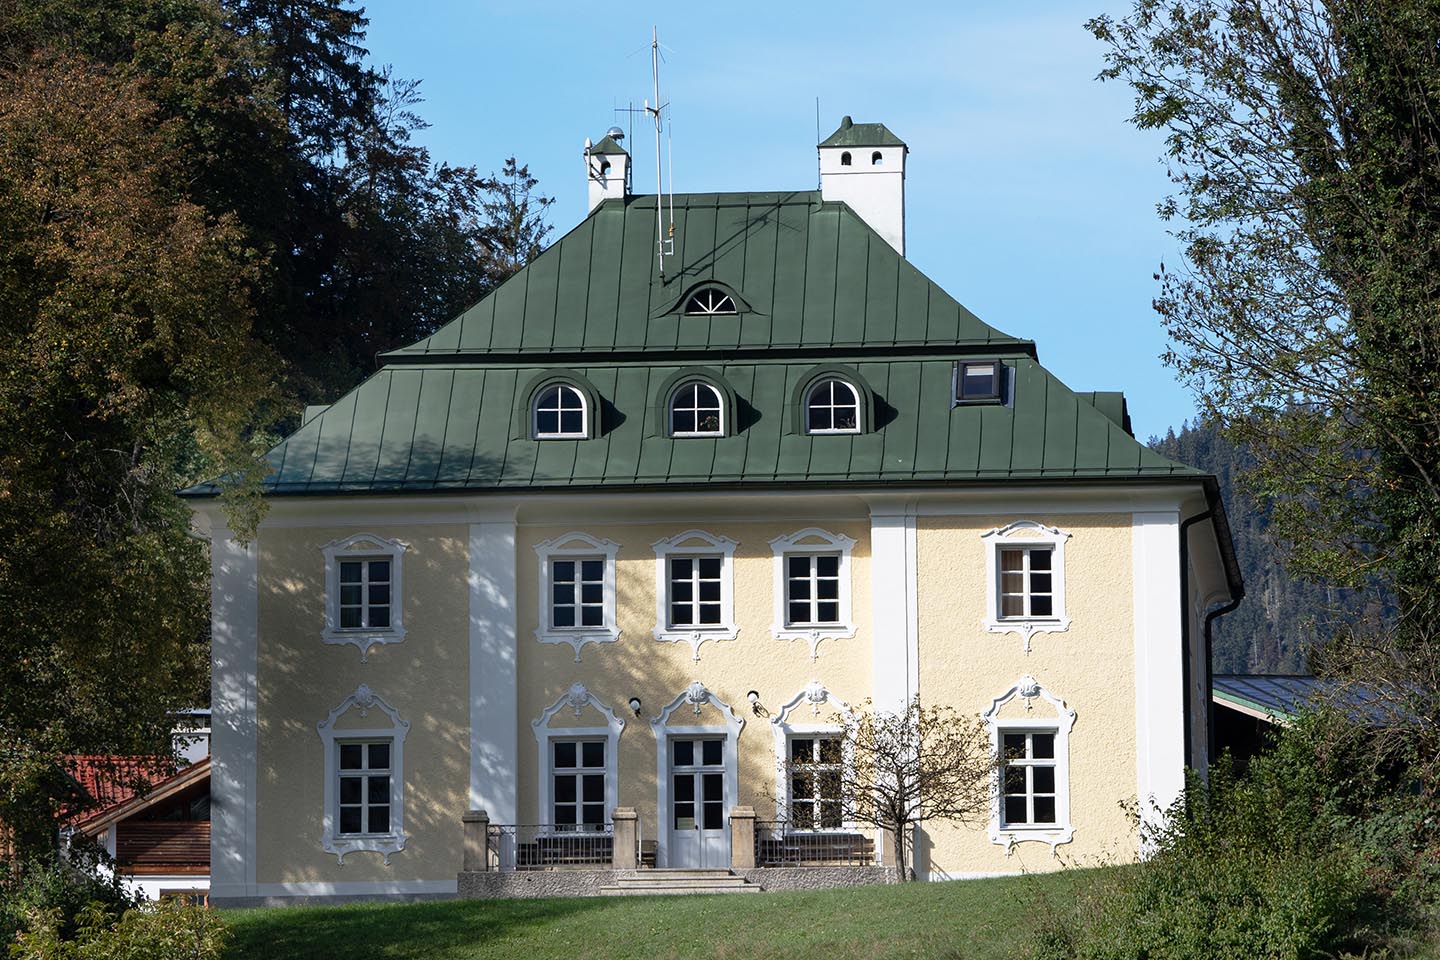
(664, 243)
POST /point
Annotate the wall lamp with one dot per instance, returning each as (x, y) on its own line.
(635, 705)
(754, 697)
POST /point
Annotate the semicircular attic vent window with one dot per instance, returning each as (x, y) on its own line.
(709, 301)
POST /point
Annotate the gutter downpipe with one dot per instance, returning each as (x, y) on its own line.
(1210, 619)
(1185, 526)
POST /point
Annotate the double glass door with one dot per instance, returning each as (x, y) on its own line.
(699, 837)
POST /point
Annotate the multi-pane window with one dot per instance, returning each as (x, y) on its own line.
(832, 406)
(560, 413)
(364, 787)
(696, 411)
(710, 301)
(577, 795)
(694, 597)
(812, 589)
(815, 783)
(577, 592)
(978, 380)
(1029, 772)
(1027, 582)
(365, 596)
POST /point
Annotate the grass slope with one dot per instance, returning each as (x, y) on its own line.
(967, 920)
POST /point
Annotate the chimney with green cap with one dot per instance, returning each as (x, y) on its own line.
(863, 164)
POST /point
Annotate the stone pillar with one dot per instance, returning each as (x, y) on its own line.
(477, 840)
(624, 853)
(887, 847)
(742, 838)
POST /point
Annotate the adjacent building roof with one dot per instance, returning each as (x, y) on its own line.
(852, 134)
(195, 775)
(110, 781)
(1282, 698)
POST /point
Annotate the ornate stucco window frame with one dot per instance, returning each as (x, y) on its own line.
(1025, 533)
(790, 723)
(576, 699)
(695, 696)
(809, 542)
(562, 548)
(364, 546)
(1028, 689)
(393, 841)
(694, 543)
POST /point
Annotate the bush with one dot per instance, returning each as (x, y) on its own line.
(1305, 855)
(63, 888)
(165, 931)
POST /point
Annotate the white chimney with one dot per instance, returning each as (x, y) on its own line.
(607, 167)
(863, 164)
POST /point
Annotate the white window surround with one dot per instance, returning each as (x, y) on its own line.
(564, 392)
(833, 404)
(1059, 721)
(364, 546)
(812, 540)
(1024, 533)
(695, 696)
(577, 698)
(791, 723)
(576, 546)
(703, 397)
(364, 699)
(693, 543)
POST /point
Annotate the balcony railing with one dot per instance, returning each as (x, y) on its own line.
(781, 844)
(547, 846)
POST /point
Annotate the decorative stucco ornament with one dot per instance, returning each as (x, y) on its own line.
(577, 698)
(697, 696)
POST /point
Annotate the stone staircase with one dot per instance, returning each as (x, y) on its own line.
(669, 883)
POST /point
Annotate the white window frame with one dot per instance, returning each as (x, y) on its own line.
(387, 844)
(696, 696)
(1059, 721)
(719, 395)
(577, 698)
(584, 432)
(1021, 534)
(715, 307)
(694, 543)
(834, 431)
(789, 724)
(811, 541)
(364, 546)
(576, 546)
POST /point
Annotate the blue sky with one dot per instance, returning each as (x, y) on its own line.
(1029, 197)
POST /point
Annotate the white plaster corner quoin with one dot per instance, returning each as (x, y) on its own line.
(695, 543)
(1052, 717)
(812, 540)
(387, 844)
(576, 546)
(1025, 533)
(364, 546)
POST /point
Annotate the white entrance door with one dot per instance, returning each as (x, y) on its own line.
(698, 834)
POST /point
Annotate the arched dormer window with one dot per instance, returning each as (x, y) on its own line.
(697, 410)
(832, 405)
(709, 301)
(560, 413)
(877, 159)
(845, 159)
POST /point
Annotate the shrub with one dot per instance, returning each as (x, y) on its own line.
(63, 888)
(165, 931)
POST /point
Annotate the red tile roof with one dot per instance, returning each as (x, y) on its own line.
(111, 781)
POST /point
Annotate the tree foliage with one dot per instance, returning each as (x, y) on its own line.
(900, 769)
(1303, 139)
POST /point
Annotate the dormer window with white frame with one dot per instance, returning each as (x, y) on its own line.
(812, 587)
(577, 591)
(709, 301)
(697, 410)
(560, 413)
(363, 595)
(832, 405)
(1025, 578)
(695, 589)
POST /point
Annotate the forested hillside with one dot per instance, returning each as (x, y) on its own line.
(1281, 615)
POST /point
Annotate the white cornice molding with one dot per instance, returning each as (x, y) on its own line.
(364, 546)
(1025, 533)
(1060, 721)
(364, 699)
(695, 543)
(812, 540)
(562, 547)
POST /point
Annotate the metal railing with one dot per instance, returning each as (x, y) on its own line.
(547, 846)
(781, 844)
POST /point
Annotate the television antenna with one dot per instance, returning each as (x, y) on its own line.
(664, 240)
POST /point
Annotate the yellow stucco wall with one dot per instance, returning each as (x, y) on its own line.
(1090, 666)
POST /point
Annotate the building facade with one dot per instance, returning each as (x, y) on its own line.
(623, 539)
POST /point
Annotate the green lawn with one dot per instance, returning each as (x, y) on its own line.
(967, 919)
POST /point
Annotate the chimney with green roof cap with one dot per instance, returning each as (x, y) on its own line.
(607, 167)
(863, 164)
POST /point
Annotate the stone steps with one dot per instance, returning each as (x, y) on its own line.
(663, 883)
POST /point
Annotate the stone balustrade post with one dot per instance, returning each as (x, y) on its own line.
(477, 840)
(742, 838)
(624, 852)
(887, 847)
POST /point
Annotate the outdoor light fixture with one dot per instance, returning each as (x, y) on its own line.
(635, 705)
(754, 697)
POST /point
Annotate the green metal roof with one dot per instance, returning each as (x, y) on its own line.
(816, 288)
(852, 134)
(1112, 404)
(813, 274)
(607, 145)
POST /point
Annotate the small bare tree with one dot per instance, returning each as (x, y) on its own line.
(899, 769)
